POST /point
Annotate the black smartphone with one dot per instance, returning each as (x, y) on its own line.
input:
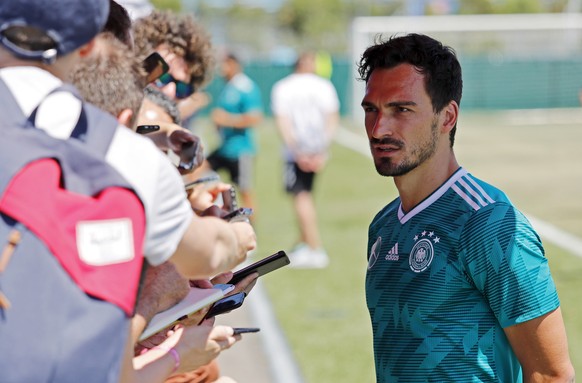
(225, 305)
(244, 330)
(240, 214)
(264, 266)
(145, 129)
(155, 66)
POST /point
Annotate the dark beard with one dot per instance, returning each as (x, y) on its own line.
(386, 167)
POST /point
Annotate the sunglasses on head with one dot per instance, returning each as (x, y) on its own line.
(183, 89)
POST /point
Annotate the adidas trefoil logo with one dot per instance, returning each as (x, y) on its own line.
(393, 253)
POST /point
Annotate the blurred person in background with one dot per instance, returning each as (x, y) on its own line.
(458, 286)
(306, 110)
(238, 111)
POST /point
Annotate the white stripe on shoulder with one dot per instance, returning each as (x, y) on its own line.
(480, 189)
(404, 217)
(472, 193)
(464, 196)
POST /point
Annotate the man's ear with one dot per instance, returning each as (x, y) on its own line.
(125, 117)
(86, 49)
(450, 115)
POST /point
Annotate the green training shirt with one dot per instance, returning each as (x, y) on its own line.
(445, 278)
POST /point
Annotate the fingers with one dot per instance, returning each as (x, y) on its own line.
(223, 336)
(222, 278)
(246, 235)
(246, 284)
(201, 283)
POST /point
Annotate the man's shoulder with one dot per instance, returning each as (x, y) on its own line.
(244, 83)
(137, 143)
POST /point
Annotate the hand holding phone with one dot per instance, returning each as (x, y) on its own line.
(225, 305)
(155, 66)
(188, 147)
(262, 267)
(240, 214)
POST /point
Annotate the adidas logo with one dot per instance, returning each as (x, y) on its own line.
(393, 253)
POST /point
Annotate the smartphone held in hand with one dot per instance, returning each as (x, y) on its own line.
(262, 267)
(240, 214)
(244, 330)
(225, 305)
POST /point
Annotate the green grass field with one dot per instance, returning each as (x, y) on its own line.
(323, 312)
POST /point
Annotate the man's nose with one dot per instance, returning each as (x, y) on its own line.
(383, 126)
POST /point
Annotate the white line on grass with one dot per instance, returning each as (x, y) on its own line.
(557, 236)
(282, 364)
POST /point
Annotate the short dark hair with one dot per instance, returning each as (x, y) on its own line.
(170, 106)
(119, 23)
(438, 63)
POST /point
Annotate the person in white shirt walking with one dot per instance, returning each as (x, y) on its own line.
(306, 110)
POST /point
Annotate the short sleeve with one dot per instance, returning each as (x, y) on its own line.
(504, 258)
(159, 186)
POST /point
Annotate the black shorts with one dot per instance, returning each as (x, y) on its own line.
(240, 169)
(296, 180)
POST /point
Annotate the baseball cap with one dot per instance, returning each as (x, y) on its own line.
(61, 26)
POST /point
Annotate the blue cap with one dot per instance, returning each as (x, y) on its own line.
(69, 23)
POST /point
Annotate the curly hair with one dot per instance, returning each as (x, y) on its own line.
(183, 35)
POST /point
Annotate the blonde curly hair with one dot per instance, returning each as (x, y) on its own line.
(183, 35)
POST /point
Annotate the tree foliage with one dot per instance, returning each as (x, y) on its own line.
(174, 5)
(325, 24)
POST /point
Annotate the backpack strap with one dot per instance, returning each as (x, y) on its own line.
(11, 112)
(98, 139)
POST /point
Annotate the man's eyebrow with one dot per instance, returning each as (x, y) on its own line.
(400, 103)
(391, 104)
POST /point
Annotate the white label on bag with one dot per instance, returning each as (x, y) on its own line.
(105, 242)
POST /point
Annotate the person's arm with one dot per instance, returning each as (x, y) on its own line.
(211, 246)
(541, 347)
(285, 127)
(331, 124)
(194, 346)
(221, 117)
(191, 105)
(163, 287)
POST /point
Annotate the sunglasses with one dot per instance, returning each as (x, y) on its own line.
(183, 89)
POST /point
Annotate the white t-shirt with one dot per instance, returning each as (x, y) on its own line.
(136, 158)
(307, 99)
